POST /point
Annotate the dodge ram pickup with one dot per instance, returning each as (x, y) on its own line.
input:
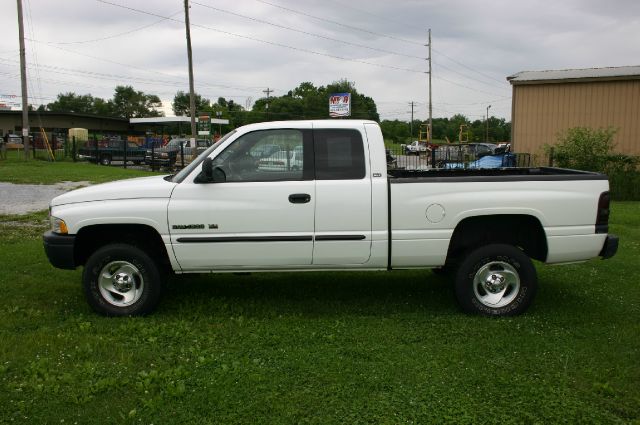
(332, 205)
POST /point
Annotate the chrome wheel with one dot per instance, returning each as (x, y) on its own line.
(121, 283)
(496, 284)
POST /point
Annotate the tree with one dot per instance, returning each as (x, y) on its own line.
(396, 131)
(129, 103)
(309, 102)
(78, 103)
(181, 103)
(102, 107)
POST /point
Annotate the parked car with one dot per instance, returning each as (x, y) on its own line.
(112, 150)
(265, 150)
(282, 161)
(15, 140)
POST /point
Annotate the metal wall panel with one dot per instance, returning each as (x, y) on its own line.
(542, 111)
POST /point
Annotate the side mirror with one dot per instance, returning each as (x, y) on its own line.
(211, 174)
(207, 169)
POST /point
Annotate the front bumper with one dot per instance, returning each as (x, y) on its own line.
(59, 250)
(610, 247)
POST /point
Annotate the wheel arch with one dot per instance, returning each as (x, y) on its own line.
(91, 238)
(521, 230)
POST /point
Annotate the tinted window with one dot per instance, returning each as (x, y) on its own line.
(339, 154)
(266, 155)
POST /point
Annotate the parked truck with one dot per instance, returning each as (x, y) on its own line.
(112, 150)
(171, 154)
(338, 208)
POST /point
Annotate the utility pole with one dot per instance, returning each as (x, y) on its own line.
(192, 96)
(411, 124)
(430, 105)
(268, 91)
(23, 78)
(486, 139)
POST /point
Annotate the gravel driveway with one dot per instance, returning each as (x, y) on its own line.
(25, 198)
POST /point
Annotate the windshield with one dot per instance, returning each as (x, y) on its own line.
(196, 162)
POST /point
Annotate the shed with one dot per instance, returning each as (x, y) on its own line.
(546, 103)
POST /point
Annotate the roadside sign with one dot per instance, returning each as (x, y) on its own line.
(204, 124)
(340, 105)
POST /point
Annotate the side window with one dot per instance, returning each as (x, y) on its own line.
(339, 154)
(267, 155)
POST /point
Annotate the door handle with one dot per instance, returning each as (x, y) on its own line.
(299, 198)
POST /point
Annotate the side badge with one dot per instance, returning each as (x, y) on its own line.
(213, 226)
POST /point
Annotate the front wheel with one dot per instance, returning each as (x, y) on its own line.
(496, 280)
(105, 160)
(122, 280)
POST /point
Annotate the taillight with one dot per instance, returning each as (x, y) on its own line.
(602, 219)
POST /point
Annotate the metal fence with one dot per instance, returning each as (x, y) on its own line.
(454, 156)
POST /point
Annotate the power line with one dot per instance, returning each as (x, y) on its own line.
(243, 88)
(387, 18)
(272, 43)
(309, 33)
(118, 34)
(384, 18)
(341, 24)
(502, 86)
(101, 76)
(464, 86)
(501, 99)
(469, 68)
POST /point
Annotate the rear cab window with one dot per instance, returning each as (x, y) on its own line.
(339, 154)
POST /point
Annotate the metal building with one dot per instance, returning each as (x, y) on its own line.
(545, 103)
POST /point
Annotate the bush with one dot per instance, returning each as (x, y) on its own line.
(583, 148)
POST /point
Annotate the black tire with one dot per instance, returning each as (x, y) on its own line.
(130, 267)
(445, 271)
(105, 160)
(496, 280)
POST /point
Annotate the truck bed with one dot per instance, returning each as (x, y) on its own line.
(491, 175)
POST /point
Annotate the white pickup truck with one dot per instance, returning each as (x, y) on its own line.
(415, 148)
(336, 208)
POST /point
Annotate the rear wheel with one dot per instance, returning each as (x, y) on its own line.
(122, 280)
(105, 160)
(496, 280)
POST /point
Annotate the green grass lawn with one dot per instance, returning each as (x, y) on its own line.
(34, 171)
(324, 348)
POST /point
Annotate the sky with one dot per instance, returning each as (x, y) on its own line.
(243, 47)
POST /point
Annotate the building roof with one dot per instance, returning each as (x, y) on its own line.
(18, 112)
(163, 120)
(576, 75)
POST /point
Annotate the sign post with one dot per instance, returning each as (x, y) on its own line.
(340, 105)
(204, 124)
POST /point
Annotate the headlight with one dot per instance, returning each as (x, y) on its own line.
(58, 225)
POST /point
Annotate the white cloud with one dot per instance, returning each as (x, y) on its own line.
(486, 40)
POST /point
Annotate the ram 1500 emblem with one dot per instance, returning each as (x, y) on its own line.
(187, 226)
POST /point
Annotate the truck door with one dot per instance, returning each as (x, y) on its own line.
(261, 216)
(343, 197)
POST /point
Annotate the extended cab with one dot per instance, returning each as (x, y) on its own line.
(327, 202)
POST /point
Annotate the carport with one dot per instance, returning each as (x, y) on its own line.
(164, 122)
